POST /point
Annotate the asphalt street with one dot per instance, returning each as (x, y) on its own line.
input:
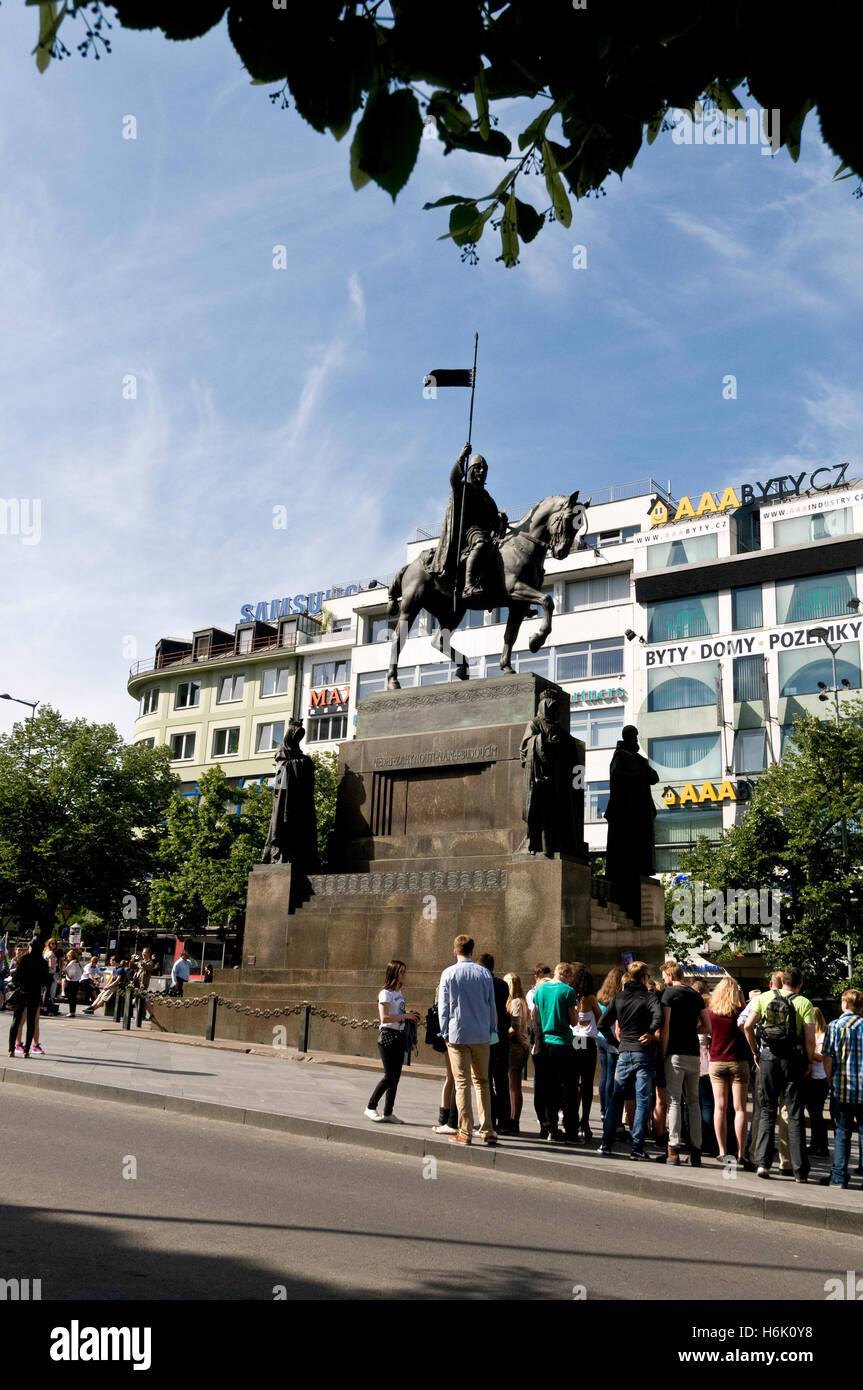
(103, 1200)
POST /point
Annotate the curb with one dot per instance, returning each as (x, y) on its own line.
(609, 1176)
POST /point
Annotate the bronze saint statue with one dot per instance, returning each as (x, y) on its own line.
(630, 814)
(293, 833)
(472, 523)
(549, 756)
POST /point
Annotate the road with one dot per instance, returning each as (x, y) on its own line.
(216, 1212)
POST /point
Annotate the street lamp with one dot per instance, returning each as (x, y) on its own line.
(821, 634)
(31, 703)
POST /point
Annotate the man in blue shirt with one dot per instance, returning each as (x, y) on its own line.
(844, 1045)
(468, 1022)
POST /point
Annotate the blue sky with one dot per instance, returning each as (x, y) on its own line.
(302, 387)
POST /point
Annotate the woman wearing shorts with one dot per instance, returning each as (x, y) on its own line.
(729, 1065)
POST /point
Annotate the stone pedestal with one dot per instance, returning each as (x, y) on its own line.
(429, 823)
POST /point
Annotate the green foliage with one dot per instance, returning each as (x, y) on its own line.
(326, 783)
(607, 77)
(80, 817)
(802, 836)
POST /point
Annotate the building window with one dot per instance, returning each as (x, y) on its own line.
(230, 688)
(334, 726)
(750, 750)
(691, 688)
(746, 608)
(225, 741)
(786, 739)
(269, 736)
(596, 592)
(202, 648)
(147, 742)
(685, 552)
(821, 596)
(597, 728)
(435, 674)
(244, 639)
(677, 831)
(683, 618)
(602, 539)
(800, 671)
(377, 630)
(748, 671)
(595, 800)
(341, 625)
(531, 661)
(799, 530)
(182, 746)
(370, 682)
(588, 660)
(188, 694)
(275, 681)
(747, 524)
(474, 617)
(685, 757)
(150, 701)
(337, 672)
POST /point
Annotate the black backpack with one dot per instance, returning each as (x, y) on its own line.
(780, 1027)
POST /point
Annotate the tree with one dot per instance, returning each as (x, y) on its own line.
(802, 837)
(80, 817)
(606, 77)
(326, 784)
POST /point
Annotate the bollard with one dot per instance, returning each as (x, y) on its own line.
(212, 1006)
(114, 1006)
(141, 1011)
(128, 1002)
(303, 1041)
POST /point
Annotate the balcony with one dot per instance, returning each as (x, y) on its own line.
(289, 642)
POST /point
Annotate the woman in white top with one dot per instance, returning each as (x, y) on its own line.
(72, 972)
(815, 1090)
(584, 1035)
(393, 1015)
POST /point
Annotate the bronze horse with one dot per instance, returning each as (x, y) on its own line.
(513, 580)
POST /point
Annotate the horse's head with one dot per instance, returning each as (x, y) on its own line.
(566, 526)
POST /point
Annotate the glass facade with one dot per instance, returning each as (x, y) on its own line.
(800, 530)
(746, 608)
(678, 831)
(750, 750)
(588, 660)
(820, 596)
(684, 618)
(688, 688)
(685, 552)
(597, 728)
(685, 757)
(800, 671)
(748, 671)
(596, 592)
(596, 796)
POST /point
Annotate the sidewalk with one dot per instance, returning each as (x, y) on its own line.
(322, 1096)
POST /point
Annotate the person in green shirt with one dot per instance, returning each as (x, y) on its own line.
(556, 1003)
(787, 1046)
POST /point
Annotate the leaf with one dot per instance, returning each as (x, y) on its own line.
(528, 220)
(467, 224)
(794, 130)
(554, 183)
(359, 178)
(536, 130)
(839, 176)
(509, 233)
(387, 141)
(447, 201)
(449, 113)
(49, 23)
(654, 125)
(481, 97)
(496, 144)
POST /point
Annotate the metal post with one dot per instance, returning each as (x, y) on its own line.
(303, 1041)
(128, 1001)
(212, 1006)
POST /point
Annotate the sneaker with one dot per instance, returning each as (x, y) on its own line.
(460, 1139)
(695, 1158)
(555, 1137)
(390, 1119)
(444, 1129)
(604, 1152)
(763, 1172)
(37, 1050)
(638, 1154)
(828, 1182)
(19, 1051)
(371, 1114)
(488, 1138)
(89, 1011)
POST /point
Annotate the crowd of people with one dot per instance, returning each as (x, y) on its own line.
(35, 979)
(691, 1070)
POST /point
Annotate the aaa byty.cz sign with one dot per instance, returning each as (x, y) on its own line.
(755, 644)
(708, 792)
(786, 485)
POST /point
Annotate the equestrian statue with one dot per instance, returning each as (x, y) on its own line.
(483, 561)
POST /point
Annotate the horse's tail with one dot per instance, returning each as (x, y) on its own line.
(395, 594)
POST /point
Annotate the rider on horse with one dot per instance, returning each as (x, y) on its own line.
(472, 515)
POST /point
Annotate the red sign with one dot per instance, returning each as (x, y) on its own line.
(327, 696)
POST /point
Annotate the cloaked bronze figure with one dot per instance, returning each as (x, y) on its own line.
(549, 756)
(630, 814)
(293, 833)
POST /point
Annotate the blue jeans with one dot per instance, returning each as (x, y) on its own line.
(643, 1066)
(844, 1117)
(607, 1065)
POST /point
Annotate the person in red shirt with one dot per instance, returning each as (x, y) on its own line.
(729, 1065)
